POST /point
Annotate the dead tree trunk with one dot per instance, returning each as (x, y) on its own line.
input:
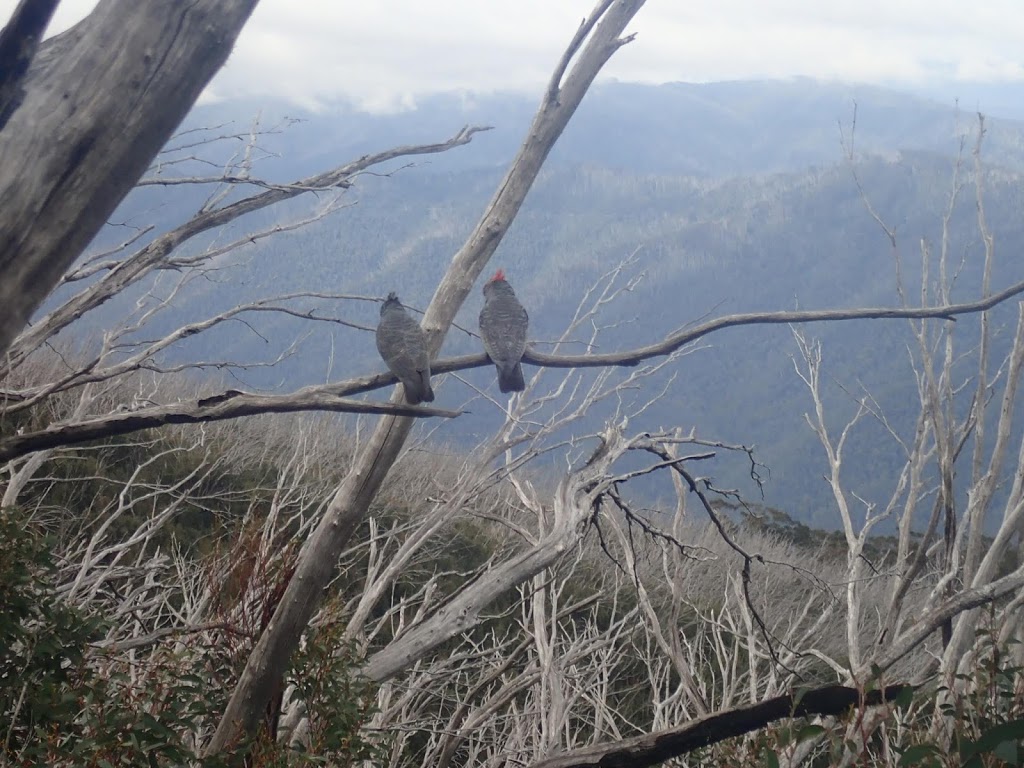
(99, 102)
(601, 34)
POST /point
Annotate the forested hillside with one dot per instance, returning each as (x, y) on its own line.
(767, 217)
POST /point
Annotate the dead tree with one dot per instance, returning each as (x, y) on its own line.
(594, 43)
(77, 142)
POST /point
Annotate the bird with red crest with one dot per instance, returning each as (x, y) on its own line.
(503, 325)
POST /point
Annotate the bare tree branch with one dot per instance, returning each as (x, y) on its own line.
(677, 340)
(230, 405)
(235, 404)
(653, 748)
(157, 252)
(961, 602)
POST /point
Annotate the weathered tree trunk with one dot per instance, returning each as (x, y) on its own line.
(100, 101)
(317, 560)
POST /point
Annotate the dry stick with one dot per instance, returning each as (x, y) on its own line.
(653, 748)
(963, 601)
(215, 408)
(972, 555)
(132, 643)
(316, 563)
(677, 340)
(748, 559)
(456, 733)
(573, 505)
(233, 404)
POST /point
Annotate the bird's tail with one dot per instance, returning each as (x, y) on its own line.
(511, 379)
(424, 391)
(413, 395)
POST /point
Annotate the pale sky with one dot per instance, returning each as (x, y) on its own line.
(382, 54)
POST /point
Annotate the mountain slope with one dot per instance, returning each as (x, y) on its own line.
(735, 197)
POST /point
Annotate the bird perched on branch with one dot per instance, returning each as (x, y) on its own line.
(503, 323)
(403, 345)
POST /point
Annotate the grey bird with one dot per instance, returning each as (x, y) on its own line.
(503, 324)
(403, 345)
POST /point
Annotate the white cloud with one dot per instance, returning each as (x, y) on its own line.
(383, 54)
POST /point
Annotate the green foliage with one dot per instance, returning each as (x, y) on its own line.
(62, 703)
(41, 640)
(922, 755)
(339, 704)
(989, 717)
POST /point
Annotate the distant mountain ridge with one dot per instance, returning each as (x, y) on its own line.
(707, 130)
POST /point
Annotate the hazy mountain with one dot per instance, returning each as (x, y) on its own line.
(710, 129)
(1000, 99)
(735, 196)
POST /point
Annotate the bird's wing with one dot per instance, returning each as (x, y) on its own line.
(415, 340)
(503, 326)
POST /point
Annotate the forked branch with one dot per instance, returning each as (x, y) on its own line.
(156, 254)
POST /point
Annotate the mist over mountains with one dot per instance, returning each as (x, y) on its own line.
(708, 130)
(728, 197)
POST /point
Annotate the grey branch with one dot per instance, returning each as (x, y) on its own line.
(681, 338)
(157, 252)
(216, 408)
(331, 394)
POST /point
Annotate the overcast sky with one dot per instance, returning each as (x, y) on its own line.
(382, 54)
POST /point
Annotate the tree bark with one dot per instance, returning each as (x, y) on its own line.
(100, 101)
(317, 560)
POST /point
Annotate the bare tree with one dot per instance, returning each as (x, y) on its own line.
(594, 43)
